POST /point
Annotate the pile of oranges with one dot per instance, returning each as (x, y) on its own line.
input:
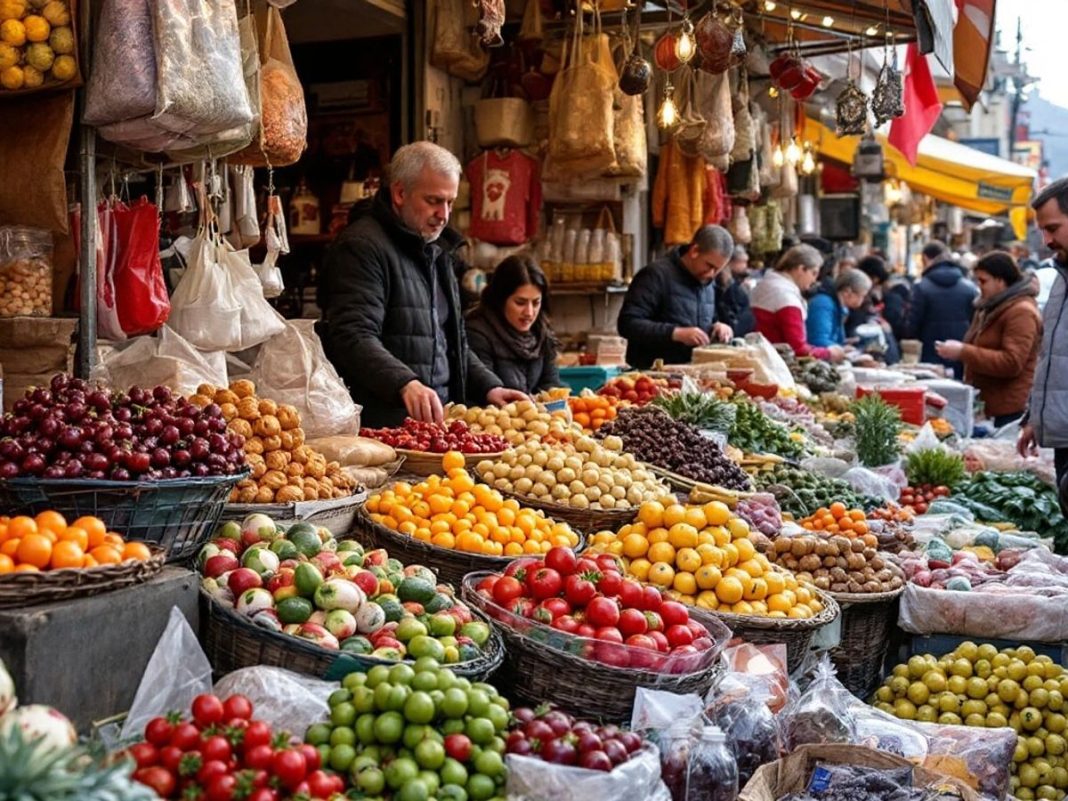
(457, 513)
(592, 411)
(702, 555)
(48, 542)
(837, 519)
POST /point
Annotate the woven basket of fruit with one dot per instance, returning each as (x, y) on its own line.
(583, 519)
(544, 664)
(424, 463)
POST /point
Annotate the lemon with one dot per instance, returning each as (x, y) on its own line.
(935, 681)
(1039, 698)
(12, 32)
(12, 78)
(1055, 745)
(962, 667)
(904, 709)
(949, 719)
(899, 686)
(900, 670)
(882, 706)
(37, 28)
(1030, 718)
(987, 651)
(1060, 778)
(1046, 793)
(1008, 690)
(884, 694)
(918, 693)
(9, 56)
(56, 13)
(957, 685)
(1055, 723)
(996, 720)
(927, 714)
(1021, 754)
(1025, 653)
(968, 650)
(948, 702)
(983, 668)
(1028, 776)
(975, 720)
(973, 707)
(976, 687)
(917, 666)
(1032, 683)
(1017, 670)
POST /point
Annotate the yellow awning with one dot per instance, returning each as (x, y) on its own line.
(945, 170)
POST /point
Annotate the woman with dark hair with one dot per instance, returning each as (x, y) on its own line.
(509, 329)
(1000, 349)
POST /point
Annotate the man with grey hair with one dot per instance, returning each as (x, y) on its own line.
(392, 323)
(671, 308)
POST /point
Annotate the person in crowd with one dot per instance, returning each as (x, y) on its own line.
(509, 329)
(391, 323)
(732, 295)
(779, 304)
(1045, 423)
(827, 309)
(1022, 253)
(1000, 348)
(670, 307)
(942, 304)
(889, 295)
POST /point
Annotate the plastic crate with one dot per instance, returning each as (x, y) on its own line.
(592, 377)
(910, 400)
(939, 644)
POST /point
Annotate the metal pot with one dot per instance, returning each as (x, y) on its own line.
(636, 75)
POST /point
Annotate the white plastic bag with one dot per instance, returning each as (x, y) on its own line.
(177, 673)
(259, 320)
(292, 368)
(657, 710)
(204, 309)
(165, 359)
(287, 701)
(868, 482)
(926, 440)
(637, 779)
(274, 234)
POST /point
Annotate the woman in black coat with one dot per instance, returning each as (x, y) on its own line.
(509, 329)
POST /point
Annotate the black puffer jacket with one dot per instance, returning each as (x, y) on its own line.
(662, 297)
(499, 353)
(377, 325)
(941, 308)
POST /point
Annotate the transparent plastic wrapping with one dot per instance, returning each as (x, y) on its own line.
(698, 767)
(762, 668)
(869, 482)
(637, 779)
(979, 757)
(876, 729)
(204, 309)
(822, 713)
(165, 359)
(25, 272)
(200, 81)
(740, 709)
(657, 711)
(287, 701)
(992, 611)
(122, 83)
(349, 451)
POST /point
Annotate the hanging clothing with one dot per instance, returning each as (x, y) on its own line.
(679, 194)
(505, 197)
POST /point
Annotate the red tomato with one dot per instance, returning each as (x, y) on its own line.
(506, 590)
(661, 641)
(605, 561)
(632, 622)
(608, 634)
(237, 706)
(161, 780)
(458, 746)
(258, 757)
(221, 788)
(207, 710)
(566, 623)
(642, 641)
(263, 794)
(544, 583)
(610, 583)
(585, 630)
(170, 756)
(651, 599)
(653, 621)
(522, 607)
(216, 747)
(159, 731)
(290, 767)
(257, 733)
(520, 567)
(486, 585)
(186, 737)
(320, 783)
(579, 590)
(556, 607)
(678, 636)
(630, 594)
(312, 757)
(601, 612)
(562, 560)
(144, 754)
(674, 613)
(209, 770)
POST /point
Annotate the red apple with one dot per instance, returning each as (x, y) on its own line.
(366, 581)
(221, 563)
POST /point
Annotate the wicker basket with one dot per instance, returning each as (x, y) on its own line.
(867, 620)
(589, 521)
(232, 641)
(539, 668)
(335, 514)
(421, 463)
(177, 514)
(795, 634)
(30, 589)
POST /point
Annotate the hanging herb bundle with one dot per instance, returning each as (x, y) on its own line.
(877, 425)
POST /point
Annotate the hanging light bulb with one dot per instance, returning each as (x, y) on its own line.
(808, 163)
(871, 30)
(828, 21)
(769, 5)
(793, 153)
(668, 113)
(773, 91)
(795, 13)
(777, 157)
(685, 44)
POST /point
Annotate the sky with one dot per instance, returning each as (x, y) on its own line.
(1045, 28)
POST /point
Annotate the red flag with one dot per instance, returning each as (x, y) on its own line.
(922, 107)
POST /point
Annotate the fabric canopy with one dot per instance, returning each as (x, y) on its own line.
(946, 170)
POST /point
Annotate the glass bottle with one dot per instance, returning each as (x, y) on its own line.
(698, 767)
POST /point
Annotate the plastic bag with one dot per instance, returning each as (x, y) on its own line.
(868, 482)
(637, 779)
(108, 325)
(978, 757)
(122, 83)
(165, 359)
(763, 667)
(739, 708)
(274, 234)
(292, 368)
(177, 673)
(204, 309)
(142, 301)
(926, 440)
(656, 710)
(353, 451)
(259, 320)
(876, 729)
(821, 714)
(287, 701)
(200, 87)
(992, 611)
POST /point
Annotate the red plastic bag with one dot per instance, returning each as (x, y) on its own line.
(141, 293)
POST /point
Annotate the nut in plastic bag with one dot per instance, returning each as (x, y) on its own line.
(822, 713)
(637, 779)
(288, 701)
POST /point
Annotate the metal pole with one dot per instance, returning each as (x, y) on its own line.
(87, 173)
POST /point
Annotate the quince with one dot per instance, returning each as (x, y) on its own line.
(12, 32)
(37, 28)
(12, 78)
(64, 68)
(56, 13)
(62, 40)
(40, 56)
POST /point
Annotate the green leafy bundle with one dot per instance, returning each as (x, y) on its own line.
(877, 425)
(755, 432)
(699, 409)
(1019, 498)
(935, 466)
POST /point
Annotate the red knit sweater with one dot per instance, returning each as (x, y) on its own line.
(787, 325)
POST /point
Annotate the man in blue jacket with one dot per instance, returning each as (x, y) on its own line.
(942, 305)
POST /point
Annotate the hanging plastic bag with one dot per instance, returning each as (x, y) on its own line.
(274, 234)
(283, 129)
(821, 714)
(204, 309)
(259, 320)
(200, 86)
(141, 293)
(108, 325)
(245, 229)
(122, 83)
(453, 48)
(741, 712)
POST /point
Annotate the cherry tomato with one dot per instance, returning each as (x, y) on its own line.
(257, 733)
(237, 706)
(320, 783)
(207, 710)
(161, 780)
(144, 754)
(221, 788)
(506, 590)
(170, 756)
(159, 731)
(290, 767)
(186, 737)
(209, 770)
(312, 757)
(258, 757)
(216, 747)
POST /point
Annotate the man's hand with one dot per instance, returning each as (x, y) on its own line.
(837, 353)
(721, 332)
(692, 337)
(1027, 445)
(500, 396)
(950, 349)
(422, 402)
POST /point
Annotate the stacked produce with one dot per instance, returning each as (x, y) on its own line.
(284, 469)
(37, 44)
(640, 389)
(838, 563)
(220, 751)
(837, 518)
(761, 511)
(457, 513)
(977, 685)
(755, 432)
(819, 376)
(413, 733)
(1019, 498)
(516, 422)
(701, 410)
(593, 411)
(415, 435)
(653, 436)
(877, 425)
(801, 492)
(703, 556)
(306, 584)
(554, 736)
(981, 557)
(585, 474)
(72, 429)
(46, 542)
(613, 620)
(796, 414)
(917, 497)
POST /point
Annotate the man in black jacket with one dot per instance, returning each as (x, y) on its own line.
(732, 295)
(670, 308)
(392, 324)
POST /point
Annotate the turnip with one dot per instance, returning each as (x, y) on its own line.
(39, 722)
(341, 623)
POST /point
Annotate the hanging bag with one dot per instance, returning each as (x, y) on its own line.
(140, 290)
(744, 127)
(691, 125)
(628, 132)
(277, 241)
(502, 121)
(714, 98)
(453, 48)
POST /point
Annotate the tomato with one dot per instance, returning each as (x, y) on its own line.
(207, 710)
(602, 612)
(651, 599)
(632, 622)
(159, 731)
(519, 568)
(661, 641)
(612, 654)
(674, 613)
(566, 623)
(544, 583)
(630, 594)
(320, 783)
(258, 757)
(653, 621)
(506, 590)
(221, 788)
(257, 733)
(186, 737)
(458, 746)
(587, 565)
(920, 507)
(216, 747)
(696, 628)
(486, 585)
(610, 583)
(312, 757)
(642, 641)
(608, 634)
(263, 794)
(170, 756)
(209, 770)
(585, 630)
(289, 766)
(161, 780)
(144, 754)
(562, 560)
(522, 607)
(606, 561)
(579, 589)
(237, 706)
(552, 608)
(678, 636)
(941, 491)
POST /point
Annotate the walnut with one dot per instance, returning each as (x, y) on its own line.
(247, 495)
(200, 400)
(294, 470)
(272, 443)
(229, 411)
(254, 445)
(240, 426)
(264, 495)
(243, 388)
(311, 494)
(289, 493)
(226, 396)
(267, 426)
(207, 390)
(258, 469)
(287, 440)
(248, 409)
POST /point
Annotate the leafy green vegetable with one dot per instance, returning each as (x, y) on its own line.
(699, 409)
(878, 425)
(935, 466)
(755, 432)
(1018, 498)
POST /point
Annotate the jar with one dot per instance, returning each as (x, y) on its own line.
(25, 272)
(698, 766)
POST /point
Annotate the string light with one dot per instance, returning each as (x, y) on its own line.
(773, 91)
(793, 153)
(685, 45)
(872, 30)
(777, 157)
(828, 22)
(668, 113)
(808, 163)
(769, 5)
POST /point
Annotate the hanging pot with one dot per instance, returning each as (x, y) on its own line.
(664, 53)
(851, 110)
(791, 77)
(779, 65)
(636, 75)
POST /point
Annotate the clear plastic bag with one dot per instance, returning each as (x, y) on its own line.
(200, 81)
(204, 309)
(822, 713)
(656, 711)
(165, 359)
(868, 482)
(25, 272)
(739, 707)
(353, 451)
(876, 729)
(177, 672)
(979, 757)
(274, 234)
(122, 83)
(287, 701)
(637, 779)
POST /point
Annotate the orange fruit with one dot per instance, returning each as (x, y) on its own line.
(25, 568)
(19, 527)
(651, 513)
(10, 547)
(66, 553)
(717, 513)
(7, 564)
(89, 561)
(94, 527)
(78, 535)
(838, 509)
(136, 550)
(729, 590)
(106, 555)
(35, 549)
(115, 540)
(675, 513)
(53, 521)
